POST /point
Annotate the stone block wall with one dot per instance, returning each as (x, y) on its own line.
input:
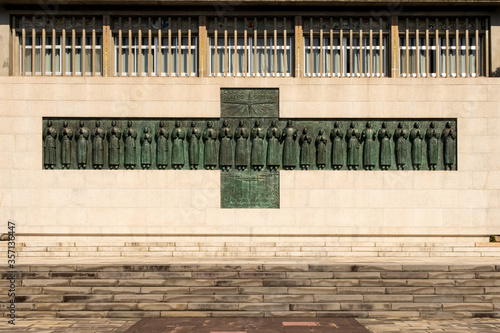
(155, 202)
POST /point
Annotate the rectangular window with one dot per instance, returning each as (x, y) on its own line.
(58, 46)
(442, 47)
(250, 47)
(257, 57)
(155, 46)
(338, 47)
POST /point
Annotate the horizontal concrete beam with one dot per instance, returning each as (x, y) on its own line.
(252, 2)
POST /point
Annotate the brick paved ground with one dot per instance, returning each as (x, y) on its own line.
(374, 325)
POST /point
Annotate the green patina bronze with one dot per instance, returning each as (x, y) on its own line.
(249, 144)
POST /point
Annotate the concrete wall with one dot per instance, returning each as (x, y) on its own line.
(465, 202)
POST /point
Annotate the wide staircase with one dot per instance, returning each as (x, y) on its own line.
(322, 279)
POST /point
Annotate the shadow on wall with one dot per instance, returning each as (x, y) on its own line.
(496, 73)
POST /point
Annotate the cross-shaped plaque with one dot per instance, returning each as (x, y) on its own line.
(249, 144)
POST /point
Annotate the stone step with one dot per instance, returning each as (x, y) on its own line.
(262, 289)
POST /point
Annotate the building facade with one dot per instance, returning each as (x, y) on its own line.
(345, 62)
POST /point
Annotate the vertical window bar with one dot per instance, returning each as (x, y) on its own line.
(478, 71)
(360, 47)
(23, 51)
(285, 57)
(225, 48)
(467, 70)
(351, 56)
(73, 49)
(341, 42)
(381, 44)
(321, 66)
(63, 51)
(275, 64)
(150, 65)
(169, 47)
(370, 62)
(311, 49)
(438, 50)
(139, 47)
(255, 48)
(33, 49)
(487, 51)
(42, 52)
(15, 44)
(427, 61)
(265, 47)
(179, 47)
(120, 39)
(245, 53)
(447, 58)
(417, 48)
(130, 57)
(93, 46)
(53, 60)
(235, 55)
(331, 47)
(457, 49)
(216, 53)
(407, 48)
(190, 61)
(83, 46)
(159, 57)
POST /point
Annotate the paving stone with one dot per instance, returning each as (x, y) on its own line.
(478, 283)
(425, 268)
(378, 268)
(451, 275)
(83, 314)
(190, 298)
(387, 298)
(288, 298)
(239, 283)
(124, 275)
(430, 282)
(342, 314)
(87, 298)
(361, 290)
(59, 306)
(338, 298)
(331, 268)
(492, 290)
(147, 268)
(52, 268)
(214, 275)
(240, 268)
(162, 306)
(213, 290)
(164, 290)
(262, 275)
(39, 299)
(315, 306)
(137, 298)
(287, 283)
(334, 283)
(309, 275)
(459, 290)
(438, 298)
(116, 290)
(411, 290)
(404, 275)
(393, 314)
(357, 275)
(213, 306)
(262, 290)
(263, 307)
(145, 282)
(473, 268)
(312, 290)
(382, 283)
(94, 283)
(416, 306)
(482, 298)
(467, 307)
(111, 306)
(45, 283)
(74, 275)
(133, 314)
(239, 298)
(366, 306)
(66, 290)
(100, 268)
(193, 268)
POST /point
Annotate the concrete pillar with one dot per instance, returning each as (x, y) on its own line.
(495, 43)
(5, 42)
